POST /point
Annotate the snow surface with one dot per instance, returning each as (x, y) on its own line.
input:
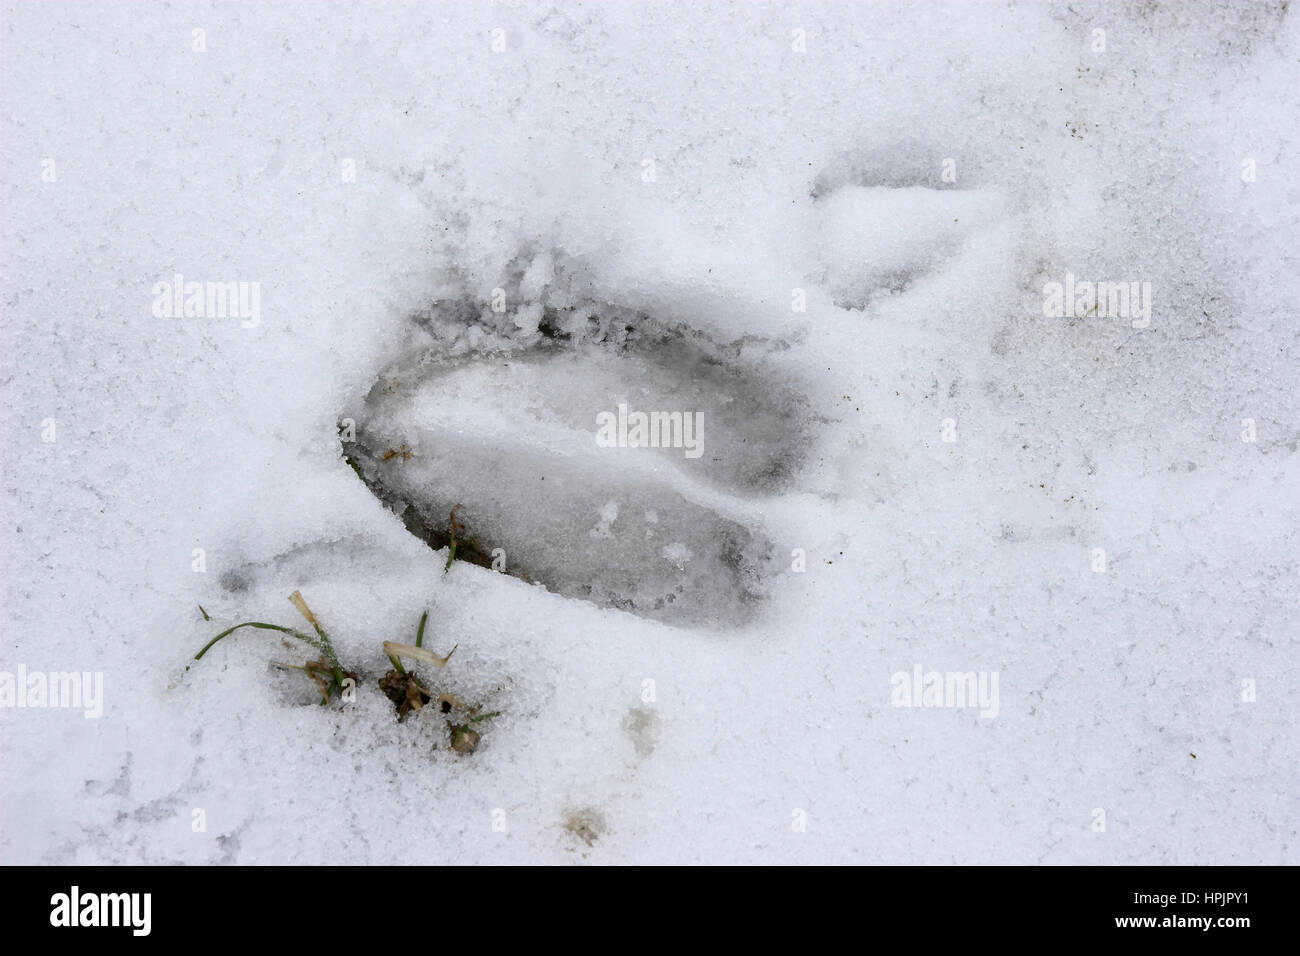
(767, 736)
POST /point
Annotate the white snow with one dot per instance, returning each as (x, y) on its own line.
(638, 170)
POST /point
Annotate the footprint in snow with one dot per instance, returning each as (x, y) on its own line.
(548, 456)
(554, 477)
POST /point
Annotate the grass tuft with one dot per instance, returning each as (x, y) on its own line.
(320, 641)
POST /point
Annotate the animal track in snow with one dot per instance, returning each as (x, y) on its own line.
(887, 217)
(510, 440)
(508, 434)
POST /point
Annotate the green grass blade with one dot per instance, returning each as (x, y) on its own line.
(307, 638)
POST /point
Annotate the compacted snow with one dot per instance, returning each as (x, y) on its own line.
(966, 333)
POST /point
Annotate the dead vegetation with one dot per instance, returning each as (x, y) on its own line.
(405, 689)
